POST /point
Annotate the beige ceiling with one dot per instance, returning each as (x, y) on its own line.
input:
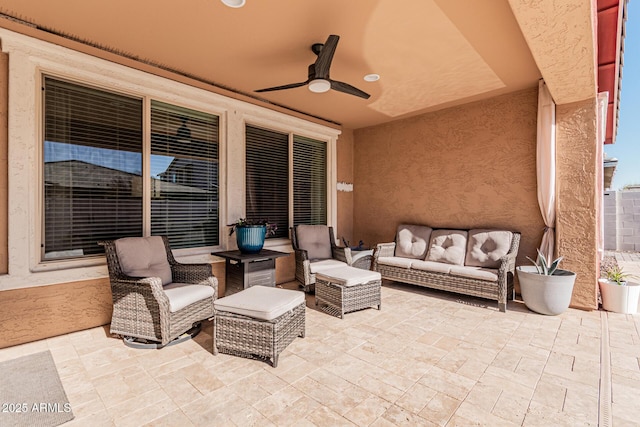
(430, 53)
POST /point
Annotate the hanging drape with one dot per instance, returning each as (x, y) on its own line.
(546, 167)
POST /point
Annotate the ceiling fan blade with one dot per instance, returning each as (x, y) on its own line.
(347, 88)
(289, 86)
(323, 63)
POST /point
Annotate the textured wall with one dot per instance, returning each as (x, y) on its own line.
(577, 201)
(467, 166)
(344, 227)
(4, 138)
(610, 220)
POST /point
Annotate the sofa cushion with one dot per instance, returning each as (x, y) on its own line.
(486, 247)
(395, 261)
(315, 240)
(447, 246)
(144, 257)
(436, 267)
(488, 274)
(412, 241)
(181, 295)
(324, 264)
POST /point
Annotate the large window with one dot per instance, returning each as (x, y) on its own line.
(269, 178)
(93, 171)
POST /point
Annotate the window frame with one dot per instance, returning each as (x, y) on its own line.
(146, 95)
(331, 166)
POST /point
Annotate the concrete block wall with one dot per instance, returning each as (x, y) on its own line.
(622, 220)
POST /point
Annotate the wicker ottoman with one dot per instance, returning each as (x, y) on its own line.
(258, 322)
(342, 290)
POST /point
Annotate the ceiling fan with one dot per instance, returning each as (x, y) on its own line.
(319, 80)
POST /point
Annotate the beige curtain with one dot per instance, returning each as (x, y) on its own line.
(546, 167)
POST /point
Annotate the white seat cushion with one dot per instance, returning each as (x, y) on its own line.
(436, 267)
(488, 274)
(261, 302)
(412, 241)
(144, 257)
(316, 266)
(182, 294)
(395, 261)
(348, 276)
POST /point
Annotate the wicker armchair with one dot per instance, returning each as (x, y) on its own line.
(315, 248)
(155, 298)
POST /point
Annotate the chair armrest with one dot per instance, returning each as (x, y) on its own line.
(191, 273)
(341, 254)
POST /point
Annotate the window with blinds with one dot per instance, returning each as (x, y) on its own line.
(184, 175)
(267, 177)
(93, 161)
(309, 181)
(92, 168)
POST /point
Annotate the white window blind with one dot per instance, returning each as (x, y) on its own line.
(267, 177)
(309, 181)
(92, 168)
(184, 175)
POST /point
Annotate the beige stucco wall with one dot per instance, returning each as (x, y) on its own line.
(345, 175)
(467, 166)
(578, 205)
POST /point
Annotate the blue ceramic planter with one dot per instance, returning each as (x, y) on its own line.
(250, 238)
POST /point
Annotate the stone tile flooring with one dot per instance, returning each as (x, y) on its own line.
(427, 358)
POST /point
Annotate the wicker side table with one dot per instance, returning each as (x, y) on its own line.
(346, 289)
(259, 322)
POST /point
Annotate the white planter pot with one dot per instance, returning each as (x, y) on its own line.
(618, 298)
(550, 295)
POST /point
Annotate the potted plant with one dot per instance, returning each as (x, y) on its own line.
(545, 288)
(250, 234)
(619, 294)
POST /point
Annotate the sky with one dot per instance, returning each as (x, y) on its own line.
(627, 144)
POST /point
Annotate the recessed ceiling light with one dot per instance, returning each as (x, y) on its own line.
(372, 77)
(234, 3)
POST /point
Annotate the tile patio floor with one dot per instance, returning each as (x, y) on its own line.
(427, 358)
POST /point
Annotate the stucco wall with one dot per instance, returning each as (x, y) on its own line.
(577, 203)
(467, 166)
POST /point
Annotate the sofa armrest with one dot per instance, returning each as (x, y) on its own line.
(382, 250)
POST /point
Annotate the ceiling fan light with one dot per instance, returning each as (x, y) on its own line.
(234, 3)
(319, 85)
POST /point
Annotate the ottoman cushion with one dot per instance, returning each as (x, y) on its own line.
(261, 302)
(348, 276)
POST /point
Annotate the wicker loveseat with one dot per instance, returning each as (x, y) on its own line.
(476, 262)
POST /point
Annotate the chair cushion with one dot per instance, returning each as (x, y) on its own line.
(144, 257)
(316, 266)
(447, 246)
(261, 302)
(486, 247)
(488, 274)
(315, 240)
(348, 276)
(412, 241)
(182, 294)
